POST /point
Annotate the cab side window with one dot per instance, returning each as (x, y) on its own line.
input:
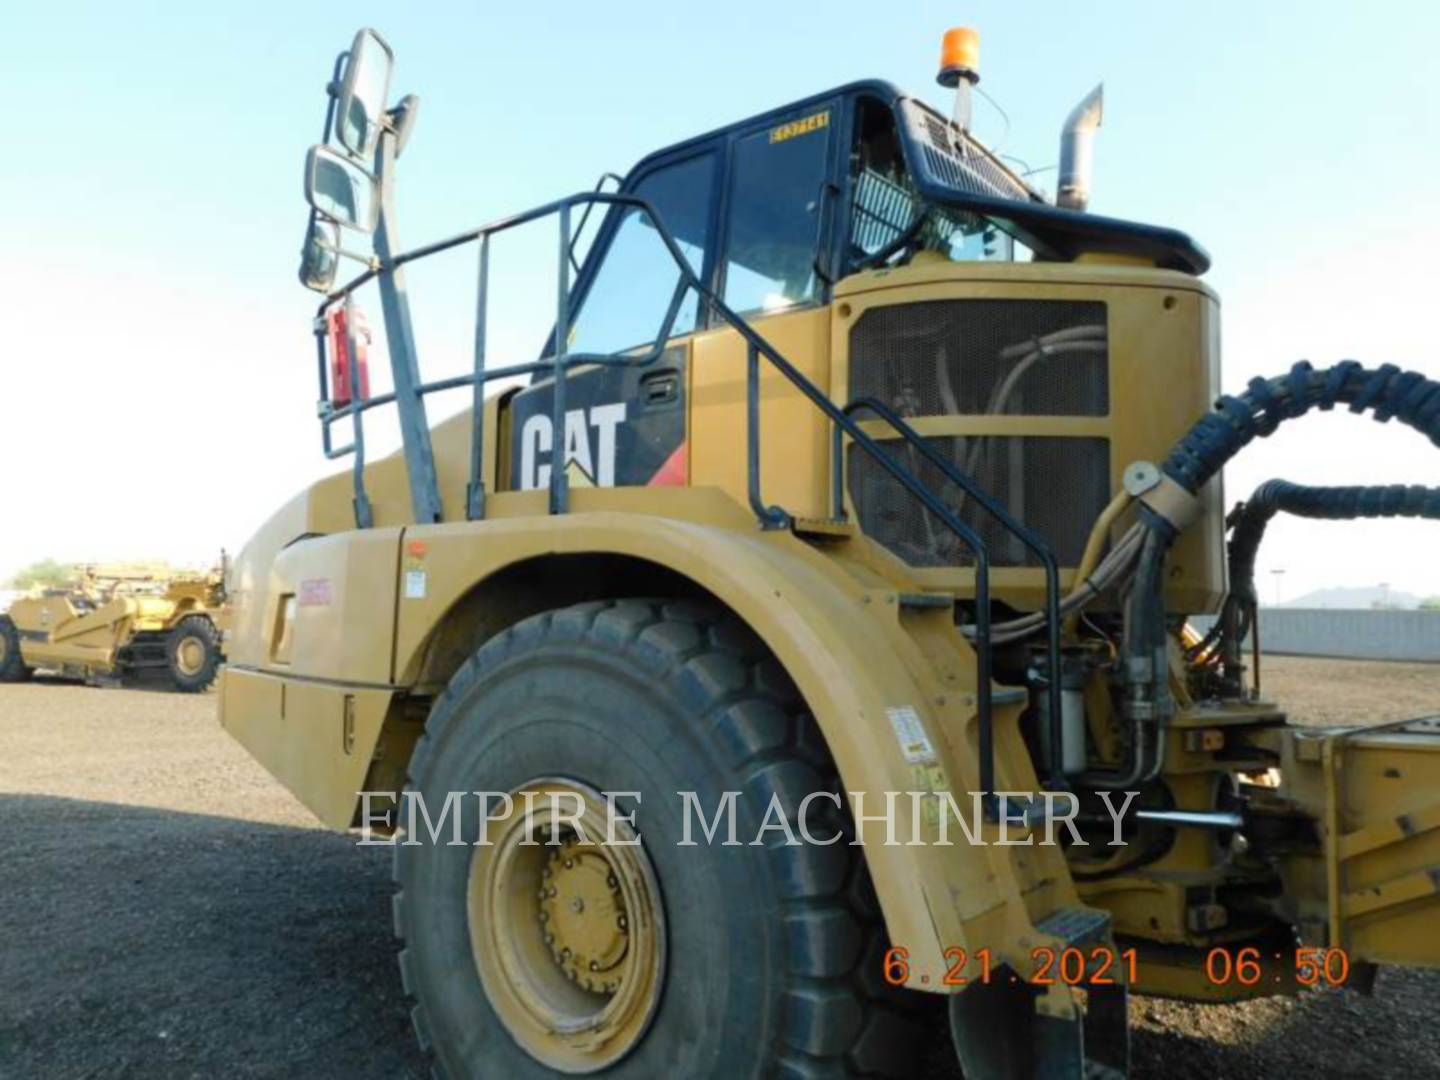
(775, 206)
(626, 302)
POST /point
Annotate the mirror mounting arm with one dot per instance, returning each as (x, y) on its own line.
(400, 336)
(401, 120)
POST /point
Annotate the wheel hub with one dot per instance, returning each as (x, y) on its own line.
(583, 914)
(191, 656)
(567, 928)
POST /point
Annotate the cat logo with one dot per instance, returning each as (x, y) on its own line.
(589, 447)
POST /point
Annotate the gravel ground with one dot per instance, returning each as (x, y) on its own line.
(167, 910)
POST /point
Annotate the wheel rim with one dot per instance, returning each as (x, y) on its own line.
(190, 656)
(568, 938)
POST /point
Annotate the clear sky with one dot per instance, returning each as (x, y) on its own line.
(158, 397)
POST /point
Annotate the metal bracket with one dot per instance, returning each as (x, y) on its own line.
(1140, 477)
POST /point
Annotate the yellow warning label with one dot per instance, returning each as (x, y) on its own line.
(800, 127)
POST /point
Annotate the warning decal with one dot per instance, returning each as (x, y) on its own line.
(910, 734)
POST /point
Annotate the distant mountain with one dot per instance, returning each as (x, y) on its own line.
(1361, 597)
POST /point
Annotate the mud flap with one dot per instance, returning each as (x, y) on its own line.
(1012, 1030)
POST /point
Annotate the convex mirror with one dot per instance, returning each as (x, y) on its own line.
(360, 110)
(340, 190)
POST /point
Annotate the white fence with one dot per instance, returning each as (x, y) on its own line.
(1358, 635)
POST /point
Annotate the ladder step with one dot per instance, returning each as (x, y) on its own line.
(926, 600)
(824, 528)
(1076, 926)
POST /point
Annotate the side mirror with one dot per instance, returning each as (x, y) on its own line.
(363, 93)
(319, 258)
(339, 190)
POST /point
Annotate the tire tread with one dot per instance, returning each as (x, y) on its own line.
(836, 1016)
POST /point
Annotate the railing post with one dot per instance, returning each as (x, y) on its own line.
(559, 482)
(364, 515)
(400, 337)
(771, 517)
(1028, 537)
(475, 490)
(984, 704)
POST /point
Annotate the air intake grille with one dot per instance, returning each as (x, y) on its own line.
(957, 160)
(972, 357)
(1057, 486)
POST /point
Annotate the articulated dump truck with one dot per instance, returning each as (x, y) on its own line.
(117, 622)
(790, 661)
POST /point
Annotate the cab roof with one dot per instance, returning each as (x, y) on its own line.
(1053, 232)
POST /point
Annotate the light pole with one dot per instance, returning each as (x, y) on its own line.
(1277, 575)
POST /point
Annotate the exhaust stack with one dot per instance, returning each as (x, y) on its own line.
(1077, 140)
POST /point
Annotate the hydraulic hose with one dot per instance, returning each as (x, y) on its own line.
(1144, 649)
(1114, 568)
(1099, 533)
(1251, 517)
(1248, 522)
(1387, 392)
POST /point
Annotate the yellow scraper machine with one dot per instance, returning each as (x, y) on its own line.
(798, 644)
(117, 621)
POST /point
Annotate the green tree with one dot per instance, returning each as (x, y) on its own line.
(1430, 603)
(47, 573)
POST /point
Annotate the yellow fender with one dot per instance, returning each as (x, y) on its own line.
(868, 671)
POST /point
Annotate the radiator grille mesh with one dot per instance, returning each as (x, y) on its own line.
(1057, 486)
(972, 357)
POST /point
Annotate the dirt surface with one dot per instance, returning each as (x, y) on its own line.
(167, 910)
(1350, 691)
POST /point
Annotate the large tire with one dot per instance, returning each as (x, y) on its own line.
(192, 654)
(12, 664)
(773, 953)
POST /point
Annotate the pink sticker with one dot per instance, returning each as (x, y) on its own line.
(315, 592)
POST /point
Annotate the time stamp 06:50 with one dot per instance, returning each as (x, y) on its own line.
(1104, 965)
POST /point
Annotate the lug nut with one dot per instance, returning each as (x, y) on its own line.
(623, 922)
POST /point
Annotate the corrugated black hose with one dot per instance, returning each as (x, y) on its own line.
(1387, 392)
(1249, 520)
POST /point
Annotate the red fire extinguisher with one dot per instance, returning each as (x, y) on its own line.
(340, 355)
